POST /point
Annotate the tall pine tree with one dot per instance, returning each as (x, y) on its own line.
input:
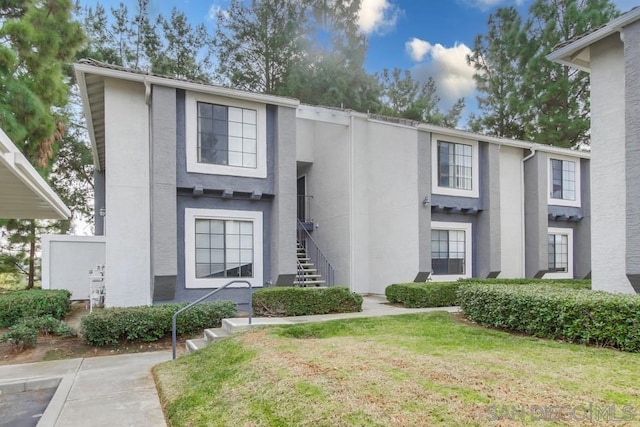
(522, 94)
(39, 40)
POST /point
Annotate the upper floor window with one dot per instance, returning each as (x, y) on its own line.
(564, 181)
(225, 136)
(455, 167)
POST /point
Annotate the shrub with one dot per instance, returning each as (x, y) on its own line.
(21, 336)
(561, 283)
(292, 301)
(110, 326)
(33, 303)
(575, 315)
(421, 295)
(48, 325)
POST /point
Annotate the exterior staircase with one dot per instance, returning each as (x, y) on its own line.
(307, 272)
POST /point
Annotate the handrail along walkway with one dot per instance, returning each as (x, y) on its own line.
(198, 301)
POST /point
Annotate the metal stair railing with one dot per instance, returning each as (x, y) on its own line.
(198, 301)
(315, 254)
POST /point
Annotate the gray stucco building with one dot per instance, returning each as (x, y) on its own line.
(611, 54)
(201, 184)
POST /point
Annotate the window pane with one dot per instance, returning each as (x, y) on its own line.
(235, 129)
(246, 256)
(232, 241)
(220, 127)
(202, 270)
(202, 256)
(216, 241)
(205, 110)
(249, 131)
(249, 116)
(246, 227)
(220, 112)
(202, 226)
(217, 256)
(235, 144)
(448, 251)
(202, 241)
(249, 160)
(217, 226)
(249, 145)
(246, 242)
(235, 158)
(217, 270)
(233, 256)
(235, 114)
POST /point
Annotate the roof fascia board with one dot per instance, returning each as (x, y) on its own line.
(575, 47)
(84, 94)
(19, 166)
(503, 141)
(321, 114)
(191, 86)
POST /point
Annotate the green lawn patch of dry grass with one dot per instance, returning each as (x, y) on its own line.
(422, 369)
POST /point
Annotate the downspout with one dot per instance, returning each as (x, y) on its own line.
(352, 210)
(147, 101)
(524, 245)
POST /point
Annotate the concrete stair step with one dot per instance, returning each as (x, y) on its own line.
(196, 344)
(215, 334)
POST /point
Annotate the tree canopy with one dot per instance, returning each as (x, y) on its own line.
(522, 94)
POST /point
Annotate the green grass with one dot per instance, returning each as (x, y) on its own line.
(421, 369)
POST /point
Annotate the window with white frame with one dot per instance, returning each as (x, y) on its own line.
(222, 245)
(564, 181)
(225, 136)
(560, 253)
(455, 167)
(451, 250)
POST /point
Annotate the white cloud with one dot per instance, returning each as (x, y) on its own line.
(417, 49)
(216, 7)
(448, 67)
(377, 16)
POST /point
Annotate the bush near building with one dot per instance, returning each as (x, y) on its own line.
(555, 312)
(293, 301)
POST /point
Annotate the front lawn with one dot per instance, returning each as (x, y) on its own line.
(421, 369)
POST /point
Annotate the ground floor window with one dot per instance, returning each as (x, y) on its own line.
(450, 250)
(560, 253)
(222, 245)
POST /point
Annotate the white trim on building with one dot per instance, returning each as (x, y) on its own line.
(190, 217)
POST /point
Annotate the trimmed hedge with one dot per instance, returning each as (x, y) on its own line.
(293, 301)
(561, 283)
(17, 305)
(422, 295)
(574, 315)
(443, 294)
(111, 326)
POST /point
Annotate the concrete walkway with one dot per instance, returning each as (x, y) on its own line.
(119, 390)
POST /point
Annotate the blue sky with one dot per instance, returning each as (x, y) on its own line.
(428, 37)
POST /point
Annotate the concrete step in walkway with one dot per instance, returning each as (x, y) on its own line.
(372, 306)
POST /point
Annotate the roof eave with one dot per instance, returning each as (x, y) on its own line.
(187, 85)
(84, 94)
(566, 54)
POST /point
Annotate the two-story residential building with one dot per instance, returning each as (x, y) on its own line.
(611, 54)
(202, 184)
(401, 201)
(196, 182)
